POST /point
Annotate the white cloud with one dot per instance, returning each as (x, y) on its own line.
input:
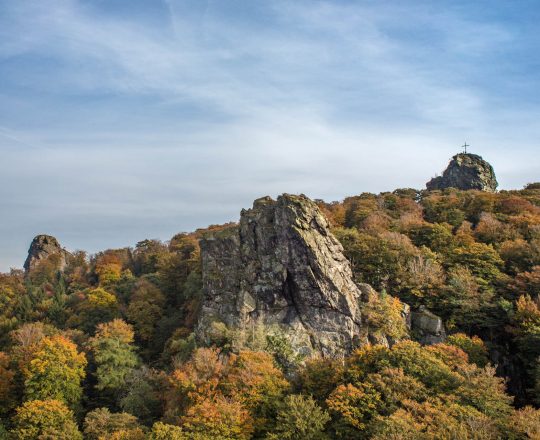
(116, 128)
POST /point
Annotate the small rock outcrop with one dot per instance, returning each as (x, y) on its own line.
(466, 171)
(281, 266)
(427, 327)
(43, 247)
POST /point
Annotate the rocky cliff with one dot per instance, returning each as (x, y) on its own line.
(466, 171)
(42, 248)
(282, 266)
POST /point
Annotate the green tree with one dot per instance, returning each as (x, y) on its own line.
(438, 237)
(481, 259)
(114, 354)
(147, 256)
(144, 397)
(300, 418)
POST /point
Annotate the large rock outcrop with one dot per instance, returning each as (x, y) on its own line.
(282, 266)
(42, 248)
(466, 171)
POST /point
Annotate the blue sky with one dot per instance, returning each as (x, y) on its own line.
(129, 119)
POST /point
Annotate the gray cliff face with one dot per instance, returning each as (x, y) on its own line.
(42, 247)
(466, 171)
(282, 266)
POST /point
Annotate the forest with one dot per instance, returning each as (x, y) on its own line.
(104, 348)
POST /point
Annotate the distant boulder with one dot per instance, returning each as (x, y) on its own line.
(466, 171)
(43, 247)
(427, 327)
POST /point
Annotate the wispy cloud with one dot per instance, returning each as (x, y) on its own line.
(167, 116)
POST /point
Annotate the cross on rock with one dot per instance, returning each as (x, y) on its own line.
(465, 147)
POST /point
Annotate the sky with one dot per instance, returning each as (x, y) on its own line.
(122, 120)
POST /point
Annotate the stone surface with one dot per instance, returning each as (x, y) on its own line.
(42, 247)
(282, 266)
(427, 327)
(466, 171)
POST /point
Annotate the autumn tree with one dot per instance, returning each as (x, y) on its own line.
(319, 376)
(148, 255)
(44, 419)
(7, 385)
(354, 407)
(55, 372)
(108, 268)
(93, 307)
(163, 431)
(436, 419)
(526, 328)
(383, 315)
(473, 346)
(253, 380)
(481, 259)
(125, 434)
(176, 266)
(102, 423)
(198, 376)
(217, 416)
(145, 309)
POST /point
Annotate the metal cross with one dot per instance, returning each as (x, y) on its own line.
(465, 147)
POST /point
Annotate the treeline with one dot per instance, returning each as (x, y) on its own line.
(105, 348)
(471, 257)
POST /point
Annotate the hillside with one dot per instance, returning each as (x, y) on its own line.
(406, 315)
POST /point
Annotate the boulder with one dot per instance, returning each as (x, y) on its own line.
(466, 171)
(427, 327)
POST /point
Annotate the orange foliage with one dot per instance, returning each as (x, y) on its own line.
(116, 329)
(253, 377)
(108, 268)
(218, 416)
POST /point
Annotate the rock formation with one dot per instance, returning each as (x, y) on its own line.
(427, 327)
(43, 247)
(466, 171)
(282, 266)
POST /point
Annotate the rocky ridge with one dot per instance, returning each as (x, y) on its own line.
(466, 171)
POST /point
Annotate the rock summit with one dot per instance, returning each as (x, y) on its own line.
(466, 171)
